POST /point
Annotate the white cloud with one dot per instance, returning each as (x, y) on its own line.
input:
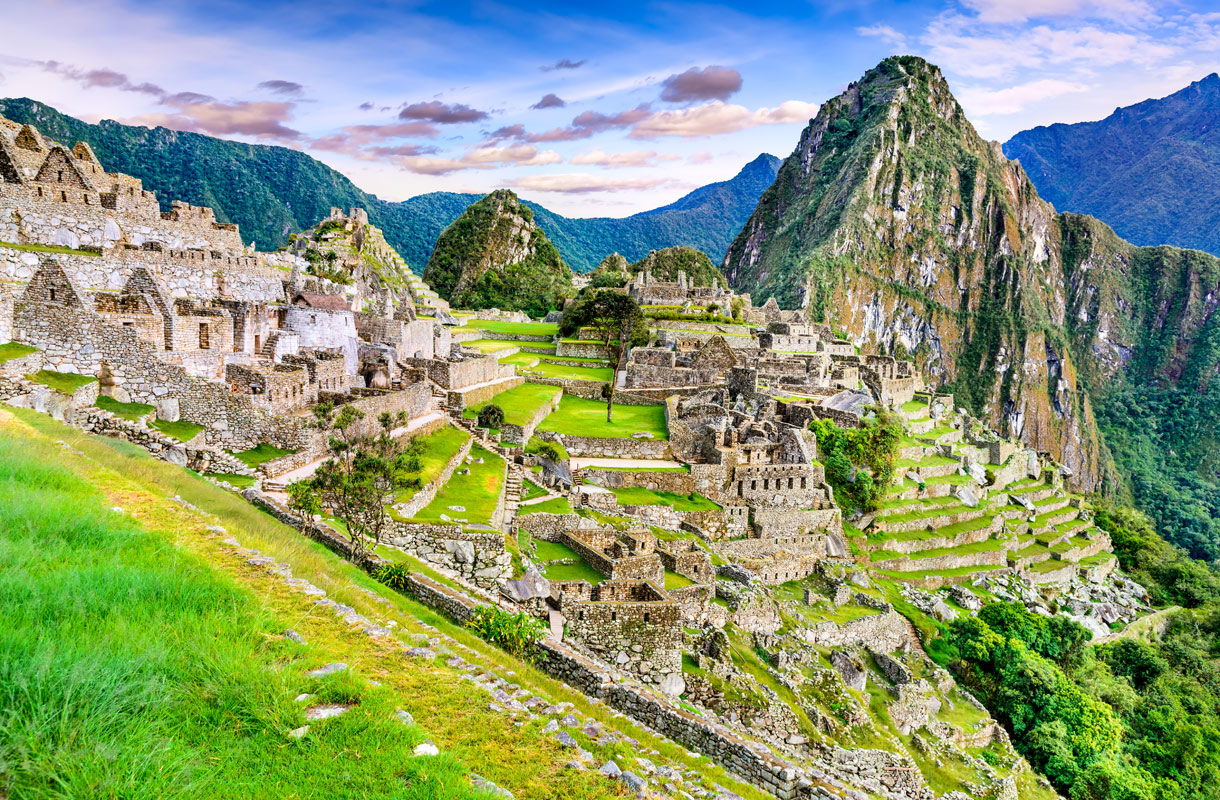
(522, 155)
(978, 100)
(885, 33)
(631, 158)
(960, 44)
(717, 117)
(578, 183)
(1012, 11)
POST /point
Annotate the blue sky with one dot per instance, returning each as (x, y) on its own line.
(603, 109)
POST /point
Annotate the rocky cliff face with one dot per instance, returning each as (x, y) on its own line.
(494, 255)
(896, 222)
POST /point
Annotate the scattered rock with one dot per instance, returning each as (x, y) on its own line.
(404, 717)
(298, 733)
(328, 669)
(327, 711)
(293, 636)
(427, 749)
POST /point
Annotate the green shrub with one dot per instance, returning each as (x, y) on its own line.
(396, 576)
(549, 451)
(516, 633)
(491, 416)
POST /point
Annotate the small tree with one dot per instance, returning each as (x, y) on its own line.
(618, 322)
(362, 476)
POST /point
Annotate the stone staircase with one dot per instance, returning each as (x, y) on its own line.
(512, 493)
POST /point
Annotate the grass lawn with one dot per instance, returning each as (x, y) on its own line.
(580, 571)
(579, 417)
(439, 447)
(637, 496)
(478, 492)
(49, 248)
(132, 412)
(554, 551)
(675, 581)
(240, 481)
(65, 382)
(261, 455)
(520, 359)
(181, 430)
(134, 669)
(534, 444)
(556, 505)
(530, 490)
(549, 370)
(519, 404)
(527, 328)
(11, 350)
(490, 345)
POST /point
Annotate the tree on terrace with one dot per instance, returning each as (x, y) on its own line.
(618, 323)
(363, 475)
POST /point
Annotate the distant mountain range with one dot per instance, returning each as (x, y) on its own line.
(1151, 171)
(274, 191)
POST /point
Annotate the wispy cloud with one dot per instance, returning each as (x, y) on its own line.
(716, 117)
(977, 100)
(286, 88)
(885, 33)
(577, 183)
(564, 63)
(442, 113)
(632, 158)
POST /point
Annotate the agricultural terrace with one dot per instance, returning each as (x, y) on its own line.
(477, 492)
(519, 404)
(437, 449)
(579, 417)
(525, 328)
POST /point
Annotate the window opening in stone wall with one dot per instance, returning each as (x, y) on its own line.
(614, 616)
(203, 336)
(52, 292)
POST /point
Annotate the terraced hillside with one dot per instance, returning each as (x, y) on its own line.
(942, 526)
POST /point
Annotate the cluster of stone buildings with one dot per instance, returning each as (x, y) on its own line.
(171, 309)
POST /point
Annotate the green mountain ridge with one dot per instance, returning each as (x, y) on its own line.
(1150, 170)
(896, 222)
(272, 192)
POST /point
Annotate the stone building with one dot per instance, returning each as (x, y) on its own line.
(632, 624)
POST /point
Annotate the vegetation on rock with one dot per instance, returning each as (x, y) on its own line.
(494, 256)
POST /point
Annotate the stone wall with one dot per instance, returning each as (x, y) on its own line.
(772, 523)
(193, 274)
(73, 339)
(883, 632)
(479, 557)
(677, 481)
(473, 396)
(606, 447)
(629, 623)
(426, 494)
